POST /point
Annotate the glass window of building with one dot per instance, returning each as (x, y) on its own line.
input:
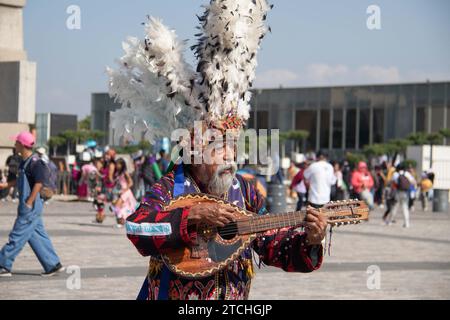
(350, 135)
(338, 117)
(364, 97)
(313, 99)
(306, 120)
(438, 94)
(421, 119)
(378, 97)
(300, 97)
(351, 97)
(337, 98)
(364, 127)
(324, 129)
(448, 109)
(422, 95)
(405, 105)
(378, 125)
(325, 98)
(391, 94)
(262, 120)
(437, 106)
(251, 121)
(437, 118)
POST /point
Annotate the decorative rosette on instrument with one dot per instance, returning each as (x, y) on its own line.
(160, 92)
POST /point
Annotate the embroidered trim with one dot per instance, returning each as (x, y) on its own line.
(148, 229)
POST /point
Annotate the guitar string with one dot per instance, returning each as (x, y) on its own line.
(233, 228)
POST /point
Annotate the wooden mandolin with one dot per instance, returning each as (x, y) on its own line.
(216, 247)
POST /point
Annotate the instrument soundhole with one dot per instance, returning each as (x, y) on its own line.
(229, 232)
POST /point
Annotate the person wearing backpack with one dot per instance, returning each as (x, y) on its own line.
(29, 226)
(49, 187)
(403, 181)
(13, 163)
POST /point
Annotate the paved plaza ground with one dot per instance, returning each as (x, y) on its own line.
(414, 263)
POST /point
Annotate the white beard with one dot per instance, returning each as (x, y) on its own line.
(220, 184)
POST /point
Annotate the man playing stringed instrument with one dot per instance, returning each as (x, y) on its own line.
(160, 93)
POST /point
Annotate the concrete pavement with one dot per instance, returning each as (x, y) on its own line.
(368, 261)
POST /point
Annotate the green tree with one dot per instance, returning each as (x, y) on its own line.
(434, 138)
(354, 158)
(300, 137)
(373, 150)
(445, 133)
(417, 138)
(397, 147)
(71, 138)
(55, 142)
(85, 124)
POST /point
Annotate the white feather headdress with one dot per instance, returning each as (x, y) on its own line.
(160, 92)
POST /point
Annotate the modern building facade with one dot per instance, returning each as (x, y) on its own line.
(338, 118)
(52, 124)
(349, 117)
(101, 107)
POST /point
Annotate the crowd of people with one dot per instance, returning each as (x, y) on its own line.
(101, 178)
(318, 181)
(112, 186)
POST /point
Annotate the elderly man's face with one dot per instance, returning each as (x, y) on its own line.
(219, 169)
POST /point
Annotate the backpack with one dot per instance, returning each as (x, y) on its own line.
(49, 184)
(403, 183)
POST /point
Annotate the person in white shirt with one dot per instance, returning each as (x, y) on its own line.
(320, 177)
(402, 180)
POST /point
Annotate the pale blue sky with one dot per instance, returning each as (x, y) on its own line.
(312, 43)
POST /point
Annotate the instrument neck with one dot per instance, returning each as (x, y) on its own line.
(270, 222)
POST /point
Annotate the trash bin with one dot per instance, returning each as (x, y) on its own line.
(440, 200)
(276, 198)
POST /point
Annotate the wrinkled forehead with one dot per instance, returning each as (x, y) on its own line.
(205, 136)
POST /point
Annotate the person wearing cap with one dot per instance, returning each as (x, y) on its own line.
(29, 226)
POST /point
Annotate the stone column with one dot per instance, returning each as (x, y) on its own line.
(17, 77)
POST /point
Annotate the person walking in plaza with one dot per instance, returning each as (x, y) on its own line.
(379, 186)
(425, 186)
(3, 192)
(291, 173)
(124, 203)
(13, 162)
(138, 182)
(403, 180)
(412, 188)
(338, 190)
(29, 226)
(89, 175)
(106, 195)
(298, 184)
(320, 177)
(362, 183)
(63, 179)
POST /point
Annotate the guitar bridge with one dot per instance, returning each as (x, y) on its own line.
(195, 252)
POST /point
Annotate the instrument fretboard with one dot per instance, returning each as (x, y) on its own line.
(271, 221)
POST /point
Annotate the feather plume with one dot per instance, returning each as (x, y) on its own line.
(153, 83)
(160, 92)
(227, 50)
